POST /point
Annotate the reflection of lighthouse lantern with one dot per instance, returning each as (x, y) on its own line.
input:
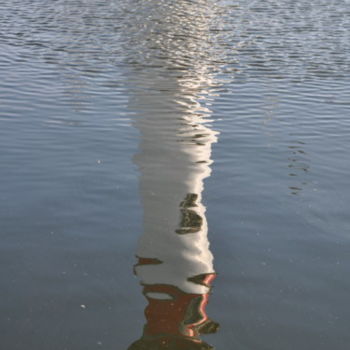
(171, 69)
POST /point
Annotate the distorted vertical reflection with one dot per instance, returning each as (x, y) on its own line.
(298, 165)
(171, 69)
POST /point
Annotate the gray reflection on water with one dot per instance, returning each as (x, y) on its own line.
(171, 69)
(298, 164)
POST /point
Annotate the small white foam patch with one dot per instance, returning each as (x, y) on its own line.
(163, 296)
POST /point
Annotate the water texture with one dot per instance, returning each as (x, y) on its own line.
(196, 139)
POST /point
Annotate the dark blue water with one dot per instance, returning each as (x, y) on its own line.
(151, 129)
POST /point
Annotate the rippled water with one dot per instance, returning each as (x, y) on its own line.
(152, 128)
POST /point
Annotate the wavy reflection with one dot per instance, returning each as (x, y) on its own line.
(172, 68)
(298, 165)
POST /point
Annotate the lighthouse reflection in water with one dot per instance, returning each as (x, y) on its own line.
(171, 72)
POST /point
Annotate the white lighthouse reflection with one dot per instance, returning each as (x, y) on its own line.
(172, 67)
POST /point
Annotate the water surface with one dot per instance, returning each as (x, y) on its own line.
(153, 128)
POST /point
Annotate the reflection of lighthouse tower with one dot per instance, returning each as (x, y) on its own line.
(170, 72)
(175, 263)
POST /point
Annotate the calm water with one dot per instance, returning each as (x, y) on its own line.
(139, 131)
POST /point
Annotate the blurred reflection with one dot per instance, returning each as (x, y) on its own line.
(298, 165)
(171, 70)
